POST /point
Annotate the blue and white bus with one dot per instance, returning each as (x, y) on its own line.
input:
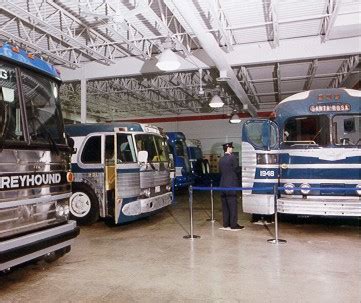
(178, 148)
(121, 171)
(199, 166)
(313, 141)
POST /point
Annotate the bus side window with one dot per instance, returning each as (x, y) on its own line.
(125, 149)
(125, 152)
(91, 153)
(109, 150)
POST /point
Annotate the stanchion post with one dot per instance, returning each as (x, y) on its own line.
(276, 240)
(191, 235)
(212, 205)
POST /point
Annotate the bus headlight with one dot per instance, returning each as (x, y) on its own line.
(66, 210)
(146, 192)
(59, 210)
(358, 189)
(289, 188)
(267, 158)
(305, 188)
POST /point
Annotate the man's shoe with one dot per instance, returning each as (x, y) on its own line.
(237, 227)
(225, 228)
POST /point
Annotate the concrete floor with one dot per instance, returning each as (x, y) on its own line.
(149, 261)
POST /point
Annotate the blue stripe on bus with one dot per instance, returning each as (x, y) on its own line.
(321, 173)
(289, 159)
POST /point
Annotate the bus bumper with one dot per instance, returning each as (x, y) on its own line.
(258, 204)
(25, 248)
(143, 206)
(327, 206)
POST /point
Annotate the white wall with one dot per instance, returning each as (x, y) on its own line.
(211, 133)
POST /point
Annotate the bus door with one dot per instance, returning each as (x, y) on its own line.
(109, 176)
(126, 178)
(260, 167)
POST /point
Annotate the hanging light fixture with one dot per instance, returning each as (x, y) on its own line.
(216, 102)
(168, 60)
(235, 118)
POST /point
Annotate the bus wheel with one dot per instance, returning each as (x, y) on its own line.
(53, 256)
(83, 205)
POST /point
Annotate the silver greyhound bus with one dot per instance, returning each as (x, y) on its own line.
(121, 172)
(34, 162)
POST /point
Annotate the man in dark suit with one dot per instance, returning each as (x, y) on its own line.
(229, 169)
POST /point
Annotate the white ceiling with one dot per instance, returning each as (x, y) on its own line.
(269, 49)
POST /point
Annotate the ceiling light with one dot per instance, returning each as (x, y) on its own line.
(168, 61)
(216, 102)
(235, 119)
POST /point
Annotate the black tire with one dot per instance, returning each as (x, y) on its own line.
(55, 255)
(260, 217)
(83, 204)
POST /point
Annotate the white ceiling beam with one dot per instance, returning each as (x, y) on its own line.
(259, 53)
(211, 47)
(220, 21)
(275, 25)
(329, 21)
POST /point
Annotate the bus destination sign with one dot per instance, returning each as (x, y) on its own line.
(333, 107)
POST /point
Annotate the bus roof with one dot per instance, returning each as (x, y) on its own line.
(84, 129)
(319, 101)
(317, 92)
(175, 135)
(20, 56)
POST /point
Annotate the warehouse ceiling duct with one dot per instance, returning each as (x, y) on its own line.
(210, 45)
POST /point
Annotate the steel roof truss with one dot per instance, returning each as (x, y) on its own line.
(114, 28)
(43, 24)
(221, 24)
(328, 22)
(345, 70)
(247, 85)
(311, 74)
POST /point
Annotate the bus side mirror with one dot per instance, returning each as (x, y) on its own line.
(8, 94)
(142, 157)
(71, 143)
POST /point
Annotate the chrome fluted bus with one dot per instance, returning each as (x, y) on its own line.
(34, 161)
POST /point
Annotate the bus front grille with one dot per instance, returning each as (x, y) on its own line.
(24, 218)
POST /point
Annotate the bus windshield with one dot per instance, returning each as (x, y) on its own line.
(42, 108)
(155, 146)
(10, 118)
(43, 114)
(307, 130)
(346, 130)
(180, 148)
